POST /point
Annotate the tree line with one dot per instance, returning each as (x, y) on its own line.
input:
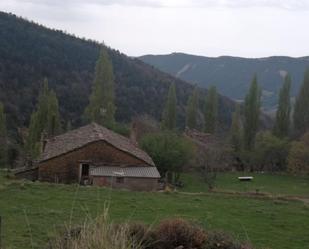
(253, 148)
(250, 146)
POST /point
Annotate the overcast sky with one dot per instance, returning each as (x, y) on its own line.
(247, 28)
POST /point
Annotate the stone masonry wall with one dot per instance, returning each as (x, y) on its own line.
(65, 168)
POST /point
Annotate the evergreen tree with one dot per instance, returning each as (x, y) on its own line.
(3, 138)
(301, 111)
(282, 125)
(169, 113)
(251, 114)
(211, 110)
(101, 108)
(192, 109)
(236, 130)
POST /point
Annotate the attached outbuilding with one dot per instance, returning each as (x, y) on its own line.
(96, 155)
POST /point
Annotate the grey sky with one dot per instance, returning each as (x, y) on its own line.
(249, 28)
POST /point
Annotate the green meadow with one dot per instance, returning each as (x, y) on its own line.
(34, 212)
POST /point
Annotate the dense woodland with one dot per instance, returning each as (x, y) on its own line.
(68, 63)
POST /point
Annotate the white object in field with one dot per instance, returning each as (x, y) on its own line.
(245, 178)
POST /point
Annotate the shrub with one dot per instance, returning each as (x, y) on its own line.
(169, 234)
(271, 152)
(169, 151)
(298, 160)
(220, 240)
(174, 233)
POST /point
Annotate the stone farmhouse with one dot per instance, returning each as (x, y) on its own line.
(96, 155)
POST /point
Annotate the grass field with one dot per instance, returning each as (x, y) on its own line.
(277, 184)
(32, 212)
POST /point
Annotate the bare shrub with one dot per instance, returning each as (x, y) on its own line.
(174, 233)
(169, 234)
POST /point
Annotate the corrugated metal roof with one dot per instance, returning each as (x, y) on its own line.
(144, 172)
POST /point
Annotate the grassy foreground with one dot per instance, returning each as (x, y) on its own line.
(32, 212)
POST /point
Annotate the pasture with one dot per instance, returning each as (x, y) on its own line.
(34, 212)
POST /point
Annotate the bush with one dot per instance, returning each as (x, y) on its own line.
(298, 160)
(174, 233)
(271, 152)
(169, 151)
(169, 234)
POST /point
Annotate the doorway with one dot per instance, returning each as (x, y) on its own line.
(84, 174)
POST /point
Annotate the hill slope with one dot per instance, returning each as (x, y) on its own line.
(29, 52)
(232, 75)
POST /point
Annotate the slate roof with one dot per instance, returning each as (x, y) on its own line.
(82, 136)
(137, 171)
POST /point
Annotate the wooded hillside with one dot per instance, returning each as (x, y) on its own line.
(29, 52)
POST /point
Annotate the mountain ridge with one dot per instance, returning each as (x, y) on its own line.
(233, 75)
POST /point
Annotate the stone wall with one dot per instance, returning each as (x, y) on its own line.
(65, 168)
(30, 174)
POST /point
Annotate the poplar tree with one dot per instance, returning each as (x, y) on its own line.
(42, 109)
(282, 124)
(211, 110)
(169, 113)
(3, 138)
(45, 121)
(192, 109)
(101, 108)
(251, 114)
(236, 130)
(53, 118)
(301, 110)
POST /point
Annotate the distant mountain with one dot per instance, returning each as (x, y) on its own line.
(29, 52)
(233, 75)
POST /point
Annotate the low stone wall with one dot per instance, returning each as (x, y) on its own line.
(30, 174)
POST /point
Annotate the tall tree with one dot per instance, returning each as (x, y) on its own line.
(101, 108)
(169, 113)
(282, 124)
(192, 109)
(46, 119)
(3, 138)
(211, 110)
(301, 110)
(236, 130)
(251, 114)
(42, 109)
(53, 118)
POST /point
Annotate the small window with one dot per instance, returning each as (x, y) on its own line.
(119, 180)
